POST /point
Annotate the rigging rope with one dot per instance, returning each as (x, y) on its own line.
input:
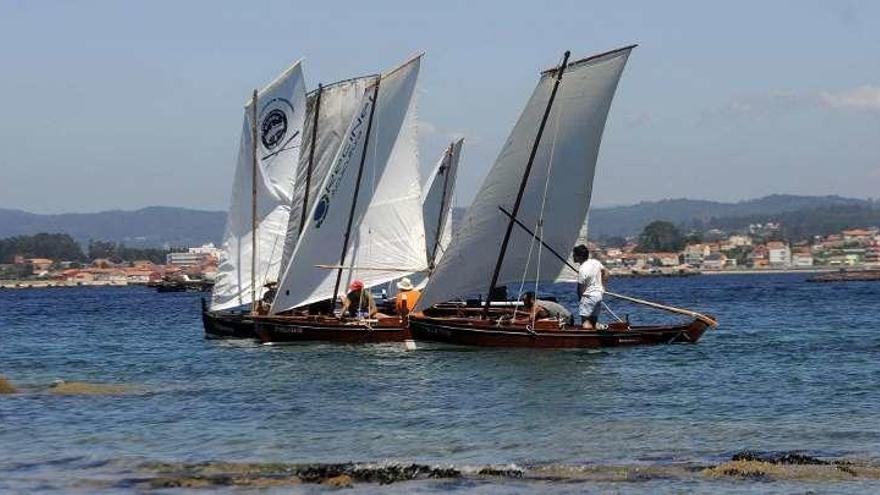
(612, 312)
(538, 232)
(354, 273)
(546, 188)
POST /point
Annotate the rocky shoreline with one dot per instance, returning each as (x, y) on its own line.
(743, 466)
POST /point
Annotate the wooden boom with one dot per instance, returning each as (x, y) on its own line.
(672, 309)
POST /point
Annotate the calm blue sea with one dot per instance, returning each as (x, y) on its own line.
(793, 366)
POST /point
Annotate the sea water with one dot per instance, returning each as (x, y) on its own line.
(793, 366)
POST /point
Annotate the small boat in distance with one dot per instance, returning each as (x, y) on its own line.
(528, 211)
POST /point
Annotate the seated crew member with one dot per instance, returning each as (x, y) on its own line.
(592, 276)
(359, 302)
(406, 298)
(269, 296)
(538, 309)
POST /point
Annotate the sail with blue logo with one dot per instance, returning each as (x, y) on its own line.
(335, 105)
(280, 114)
(387, 234)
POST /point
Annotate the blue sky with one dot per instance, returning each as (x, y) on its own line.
(127, 104)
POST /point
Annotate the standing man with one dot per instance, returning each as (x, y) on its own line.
(591, 286)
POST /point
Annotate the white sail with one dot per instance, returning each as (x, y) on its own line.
(437, 202)
(338, 104)
(570, 276)
(383, 224)
(391, 236)
(567, 155)
(280, 114)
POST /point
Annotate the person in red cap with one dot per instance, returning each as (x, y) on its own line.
(359, 302)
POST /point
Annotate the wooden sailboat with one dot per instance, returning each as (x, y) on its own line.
(259, 211)
(529, 208)
(306, 161)
(371, 197)
(437, 213)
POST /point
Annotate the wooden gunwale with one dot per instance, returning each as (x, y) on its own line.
(280, 329)
(547, 333)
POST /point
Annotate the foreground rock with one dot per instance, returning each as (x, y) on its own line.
(83, 388)
(6, 387)
(791, 466)
(258, 475)
(764, 467)
(341, 481)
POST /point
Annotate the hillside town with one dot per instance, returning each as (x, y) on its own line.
(717, 252)
(195, 263)
(744, 252)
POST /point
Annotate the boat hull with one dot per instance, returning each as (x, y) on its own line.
(292, 329)
(486, 333)
(228, 325)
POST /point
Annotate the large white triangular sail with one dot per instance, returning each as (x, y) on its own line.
(280, 113)
(437, 202)
(338, 104)
(567, 155)
(391, 238)
(387, 217)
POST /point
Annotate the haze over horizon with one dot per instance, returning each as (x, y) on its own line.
(120, 106)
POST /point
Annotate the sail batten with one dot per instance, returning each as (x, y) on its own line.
(386, 223)
(564, 164)
(280, 110)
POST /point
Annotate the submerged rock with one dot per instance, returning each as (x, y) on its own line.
(341, 475)
(164, 482)
(746, 469)
(62, 387)
(746, 466)
(791, 466)
(795, 458)
(341, 481)
(6, 387)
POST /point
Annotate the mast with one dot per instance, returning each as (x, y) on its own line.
(523, 183)
(254, 203)
(357, 188)
(445, 169)
(305, 205)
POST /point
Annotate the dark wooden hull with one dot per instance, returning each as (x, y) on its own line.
(219, 325)
(486, 333)
(292, 329)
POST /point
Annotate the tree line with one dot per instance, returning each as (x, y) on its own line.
(63, 247)
(664, 236)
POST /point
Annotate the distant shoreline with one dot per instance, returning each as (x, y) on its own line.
(61, 284)
(771, 271)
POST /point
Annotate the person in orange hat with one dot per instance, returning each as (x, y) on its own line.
(359, 302)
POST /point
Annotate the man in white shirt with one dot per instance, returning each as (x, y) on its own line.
(591, 287)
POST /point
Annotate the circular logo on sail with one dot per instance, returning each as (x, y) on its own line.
(274, 121)
(321, 210)
(274, 128)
